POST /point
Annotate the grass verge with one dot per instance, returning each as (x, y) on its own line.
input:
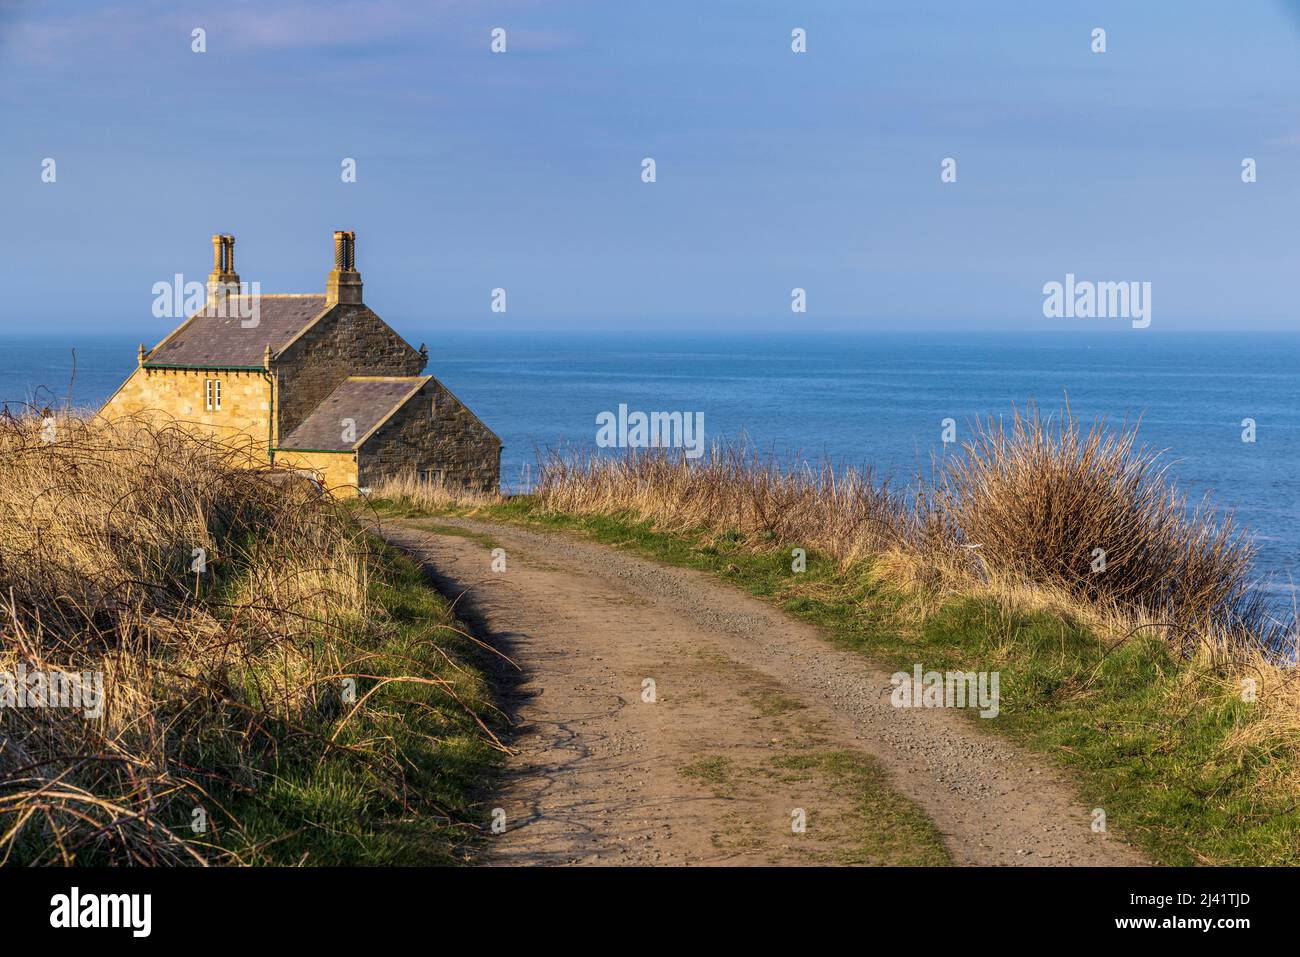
(332, 810)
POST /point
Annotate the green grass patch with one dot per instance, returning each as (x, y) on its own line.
(882, 827)
(438, 528)
(714, 771)
(402, 787)
(770, 704)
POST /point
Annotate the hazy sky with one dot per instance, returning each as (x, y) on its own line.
(522, 170)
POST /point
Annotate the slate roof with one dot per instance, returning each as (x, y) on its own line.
(367, 400)
(215, 341)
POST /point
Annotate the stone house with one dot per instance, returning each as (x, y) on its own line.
(313, 382)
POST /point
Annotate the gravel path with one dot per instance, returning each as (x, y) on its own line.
(747, 702)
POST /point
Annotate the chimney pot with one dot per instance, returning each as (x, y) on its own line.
(223, 280)
(344, 283)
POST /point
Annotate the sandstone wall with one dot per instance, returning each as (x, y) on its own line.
(418, 438)
(337, 471)
(350, 340)
(180, 395)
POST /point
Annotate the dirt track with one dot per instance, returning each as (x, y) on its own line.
(755, 718)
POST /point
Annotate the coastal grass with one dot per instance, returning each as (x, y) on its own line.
(1171, 693)
(279, 687)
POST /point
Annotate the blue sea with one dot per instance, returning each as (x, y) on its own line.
(860, 399)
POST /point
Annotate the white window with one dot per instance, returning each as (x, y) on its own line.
(431, 476)
(212, 395)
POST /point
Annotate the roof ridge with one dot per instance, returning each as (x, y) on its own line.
(384, 378)
(259, 295)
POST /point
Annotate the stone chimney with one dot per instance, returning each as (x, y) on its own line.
(344, 283)
(223, 280)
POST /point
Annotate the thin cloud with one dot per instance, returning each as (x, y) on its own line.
(46, 35)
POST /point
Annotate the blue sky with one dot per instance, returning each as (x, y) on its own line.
(522, 170)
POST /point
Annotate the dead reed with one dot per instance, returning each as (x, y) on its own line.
(1084, 517)
(1088, 510)
(842, 514)
(424, 494)
(222, 611)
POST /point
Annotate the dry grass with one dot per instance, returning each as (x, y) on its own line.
(844, 515)
(1017, 517)
(421, 494)
(1090, 512)
(212, 680)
